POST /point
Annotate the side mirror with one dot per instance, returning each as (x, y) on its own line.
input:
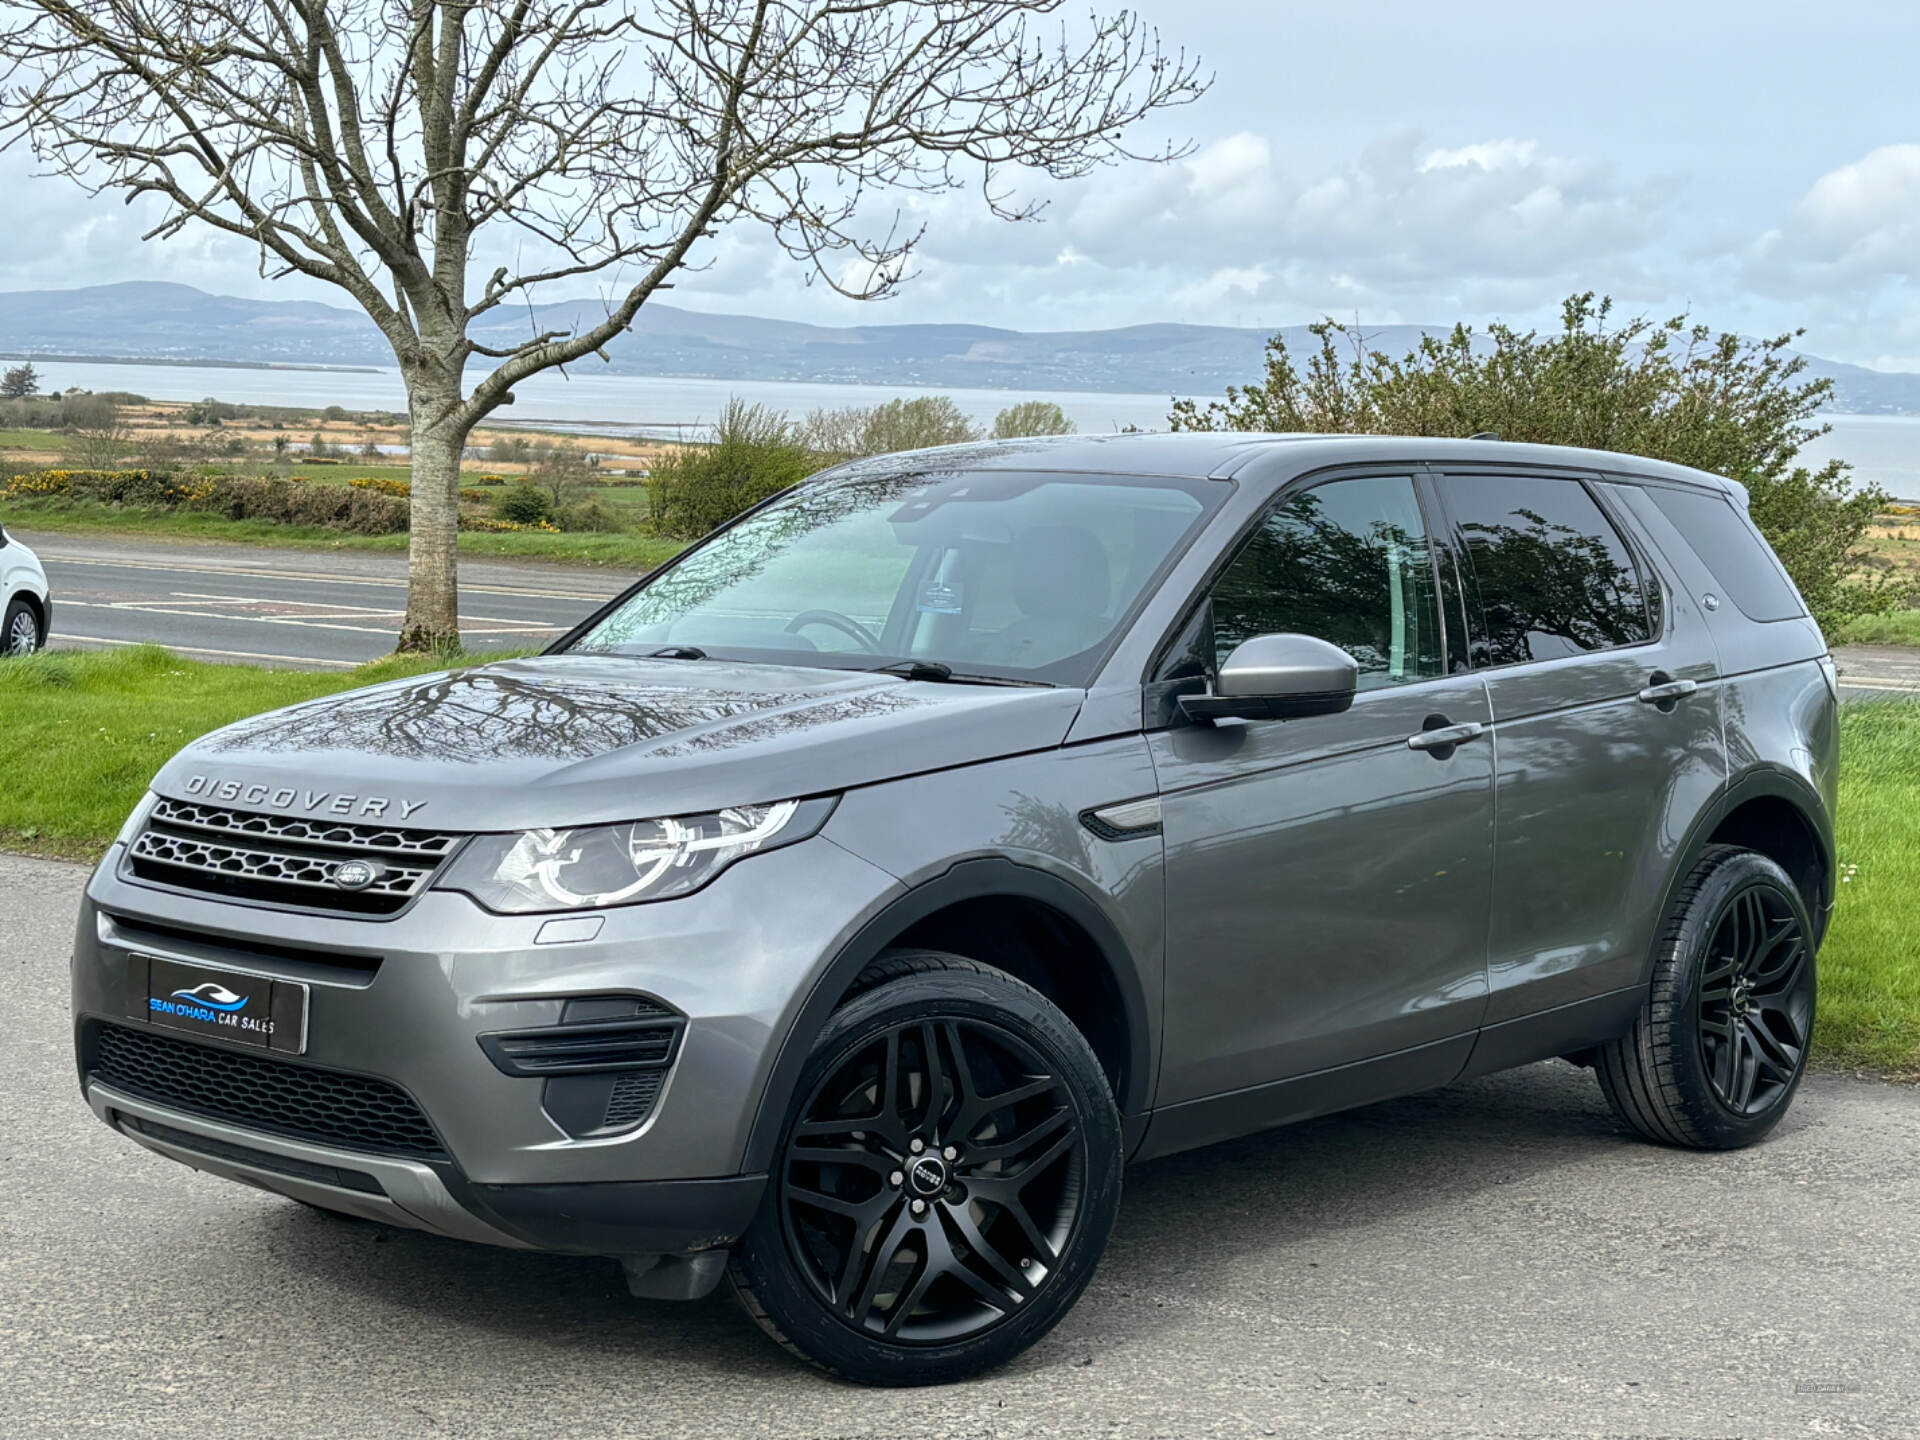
(1278, 677)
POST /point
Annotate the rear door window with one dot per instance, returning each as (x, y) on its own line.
(1549, 575)
(1733, 550)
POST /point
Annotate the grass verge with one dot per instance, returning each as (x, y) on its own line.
(81, 733)
(1900, 627)
(83, 517)
(1870, 966)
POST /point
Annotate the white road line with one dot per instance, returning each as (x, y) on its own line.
(482, 624)
(262, 573)
(1866, 682)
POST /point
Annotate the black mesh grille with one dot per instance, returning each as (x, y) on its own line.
(328, 1107)
(633, 1097)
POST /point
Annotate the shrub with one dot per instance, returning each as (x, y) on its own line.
(492, 526)
(402, 488)
(1031, 417)
(593, 515)
(524, 504)
(296, 502)
(756, 453)
(1669, 391)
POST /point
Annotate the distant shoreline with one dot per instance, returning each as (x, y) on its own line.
(200, 364)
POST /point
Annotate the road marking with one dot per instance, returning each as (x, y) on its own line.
(1865, 682)
(480, 624)
(260, 572)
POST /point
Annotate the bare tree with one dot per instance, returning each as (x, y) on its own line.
(99, 431)
(387, 146)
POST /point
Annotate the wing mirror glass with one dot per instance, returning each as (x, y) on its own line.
(1278, 677)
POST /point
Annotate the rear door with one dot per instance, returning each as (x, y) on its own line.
(1327, 883)
(1606, 737)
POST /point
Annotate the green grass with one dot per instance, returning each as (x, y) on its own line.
(81, 517)
(81, 733)
(33, 440)
(1901, 627)
(1870, 966)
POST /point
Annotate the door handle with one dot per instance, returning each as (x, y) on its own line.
(1445, 737)
(1664, 691)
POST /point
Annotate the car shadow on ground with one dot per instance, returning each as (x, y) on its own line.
(1270, 1199)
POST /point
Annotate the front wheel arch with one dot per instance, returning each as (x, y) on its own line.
(980, 880)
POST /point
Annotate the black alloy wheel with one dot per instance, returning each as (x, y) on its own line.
(933, 1181)
(1720, 1045)
(947, 1180)
(1756, 1000)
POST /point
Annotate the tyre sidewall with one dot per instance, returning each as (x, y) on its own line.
(15, 608)
(765, 1267)
(1719, 1124)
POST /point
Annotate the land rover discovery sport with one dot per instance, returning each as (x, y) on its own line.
(839, 910)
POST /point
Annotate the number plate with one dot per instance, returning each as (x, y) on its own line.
(221, 1004)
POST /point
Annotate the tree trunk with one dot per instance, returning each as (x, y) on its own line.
(433, 586)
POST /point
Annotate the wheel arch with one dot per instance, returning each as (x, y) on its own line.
(1000, 901)
(1779, 814)
(34, 601)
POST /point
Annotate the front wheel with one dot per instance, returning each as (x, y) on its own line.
(948, 1177)
(20, 630)
(1721, 1043)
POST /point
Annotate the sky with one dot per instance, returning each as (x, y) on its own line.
(1752, 161)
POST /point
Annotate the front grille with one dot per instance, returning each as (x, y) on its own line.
(305, 1102)
(283, 860)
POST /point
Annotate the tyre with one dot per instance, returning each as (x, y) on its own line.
(1721, 1042)
(20, 632)
(947, 1179)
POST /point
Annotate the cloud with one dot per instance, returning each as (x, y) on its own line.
(1855, 229)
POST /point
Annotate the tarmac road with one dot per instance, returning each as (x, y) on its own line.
(301, 608)
(1499, 1259)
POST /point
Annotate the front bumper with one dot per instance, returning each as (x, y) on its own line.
(407, 1000)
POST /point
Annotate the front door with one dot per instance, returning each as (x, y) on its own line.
(1607, 737)
(1328, 884)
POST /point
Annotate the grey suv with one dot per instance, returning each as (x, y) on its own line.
(841, 908)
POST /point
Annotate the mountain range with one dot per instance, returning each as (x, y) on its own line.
(156, 321)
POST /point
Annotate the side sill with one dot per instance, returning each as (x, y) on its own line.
(1548, 1033)
(1194, 1123)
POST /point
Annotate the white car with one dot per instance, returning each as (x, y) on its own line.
(26, 610)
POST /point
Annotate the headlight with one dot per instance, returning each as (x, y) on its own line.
(585, 869)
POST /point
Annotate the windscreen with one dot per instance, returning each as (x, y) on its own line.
(992, 574)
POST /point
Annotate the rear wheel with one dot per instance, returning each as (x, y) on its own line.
(1721, 1043)
(20, 632)
(947, 1181)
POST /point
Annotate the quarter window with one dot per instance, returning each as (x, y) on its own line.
(1348, 562)
(1552, 576)
(1733, 550)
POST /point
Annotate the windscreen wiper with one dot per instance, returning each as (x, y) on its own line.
(940, 673)
(676, 652)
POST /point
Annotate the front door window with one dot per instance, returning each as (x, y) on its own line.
(1347, 562)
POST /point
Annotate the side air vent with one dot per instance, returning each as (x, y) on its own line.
(604, 1064)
